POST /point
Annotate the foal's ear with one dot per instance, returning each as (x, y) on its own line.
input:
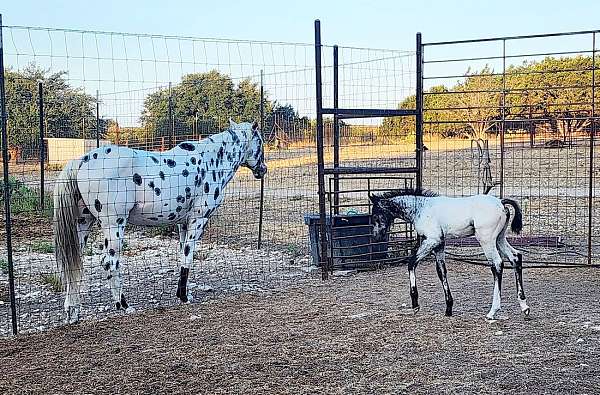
(232, 123)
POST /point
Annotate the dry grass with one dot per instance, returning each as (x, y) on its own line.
(348, 335)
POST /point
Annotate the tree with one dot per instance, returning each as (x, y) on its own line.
(69, 112)
(206, 96)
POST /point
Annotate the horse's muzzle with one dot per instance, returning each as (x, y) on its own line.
(259, 171)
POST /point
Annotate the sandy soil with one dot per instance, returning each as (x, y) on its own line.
(349, 335)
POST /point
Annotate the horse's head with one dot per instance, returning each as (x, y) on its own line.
(254, 157)
(382, 217)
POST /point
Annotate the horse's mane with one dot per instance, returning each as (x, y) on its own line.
(408, 192)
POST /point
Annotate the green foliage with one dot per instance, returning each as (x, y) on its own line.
(68, 111)
(43, 247)
(22, 198)
(53, 280)
(555, 90)
(210, 97)
(3, 266)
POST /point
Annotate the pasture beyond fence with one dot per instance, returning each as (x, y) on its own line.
(514, 116)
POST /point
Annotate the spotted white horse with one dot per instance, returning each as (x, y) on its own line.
(113, 186)
(437, 218)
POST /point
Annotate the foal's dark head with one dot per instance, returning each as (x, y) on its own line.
(382, 216)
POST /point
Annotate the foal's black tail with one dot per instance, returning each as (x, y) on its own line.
(517, 223)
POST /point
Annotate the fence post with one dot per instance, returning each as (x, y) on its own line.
(97, 119)
(592, 135)
(171, 120)
(4, 134)
(262, 180)
(320, 156)
(42, 150)
(336, 134)
(503, 125)
(419, 116)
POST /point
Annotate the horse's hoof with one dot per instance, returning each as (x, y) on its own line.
(129, 310)
(72, 316)
(416, 309)
(448, 313)
(526, 312)
(190, 298)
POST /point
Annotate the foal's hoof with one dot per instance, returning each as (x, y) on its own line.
(526, 312)
(448, 313)
(416, 309)
(129, 310)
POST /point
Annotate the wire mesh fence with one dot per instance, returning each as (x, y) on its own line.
(151, 93)
(516, 117)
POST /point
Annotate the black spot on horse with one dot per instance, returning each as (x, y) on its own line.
(187, 146)
(166, 204)
(171, 163)
(161, 174)
(185, 173)
(153, 219)
(105, 242)
(111, 252)
(180, 199)
(206, 187)
(157, 191)
(98, 205)
(171, 216)
(86, 158)
(202, 173)
(196, 180)
(214, 174)
(212, 161)
(186, 250)
(193, 160)
(137, 179)
(178, 209)
(151, 184)
(85, 211)
(154, 159)
(220, 153)
(95, 155)
(120, 221)
(216, 193)
(211, 140)
(108, 150)
(81, 220)
(117, 234)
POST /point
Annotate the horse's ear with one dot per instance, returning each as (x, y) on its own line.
(374, 198)
(231, 123)
(255, 126)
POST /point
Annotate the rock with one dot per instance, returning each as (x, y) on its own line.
(579, 340)
(498, 333)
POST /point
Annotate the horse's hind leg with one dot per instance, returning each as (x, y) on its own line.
(73, 280)
(440, 260)
(491, 253)
(516, 259)
(113, 229)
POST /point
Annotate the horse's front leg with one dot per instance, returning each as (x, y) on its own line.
(189, 234)
(424, 250)
(440, 260)
(113, 229)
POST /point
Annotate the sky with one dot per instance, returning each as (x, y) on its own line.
(380, 24)
(93, 61)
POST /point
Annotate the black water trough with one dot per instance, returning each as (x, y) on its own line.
(353, 244)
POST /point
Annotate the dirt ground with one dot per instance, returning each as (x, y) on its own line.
(352, 334)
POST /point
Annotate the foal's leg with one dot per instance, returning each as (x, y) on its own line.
(516, 259)
(113, 229)
(189, 234)
(440, 260)
(424, 250)
(491, 253)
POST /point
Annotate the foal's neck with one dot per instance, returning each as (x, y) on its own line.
(409, 207)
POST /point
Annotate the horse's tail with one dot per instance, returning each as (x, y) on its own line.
(517, 223)
(66, 212)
